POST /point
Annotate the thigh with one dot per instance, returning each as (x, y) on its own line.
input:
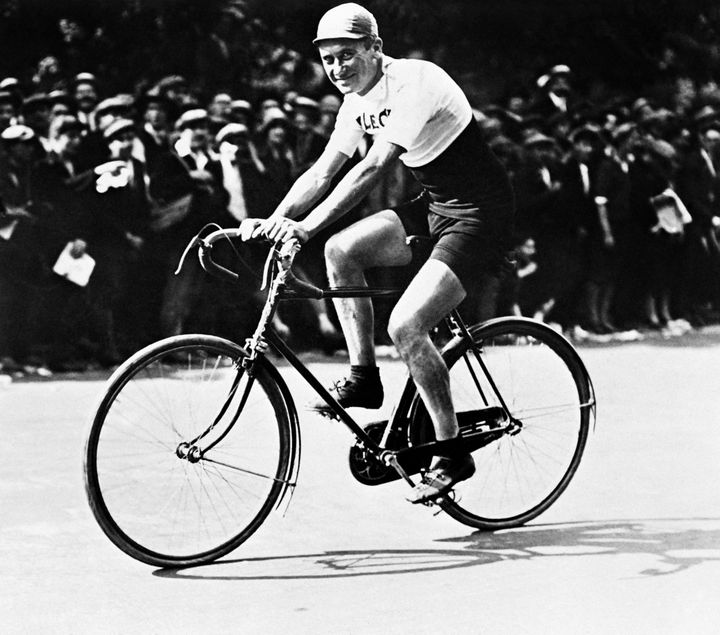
(431, 295)
(378, 240)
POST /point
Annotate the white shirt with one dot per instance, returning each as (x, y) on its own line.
(415, 105)
(232, 181)
(560, 102)
(708, 161)
(585, 175)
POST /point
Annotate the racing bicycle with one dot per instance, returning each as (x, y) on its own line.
(196, 438)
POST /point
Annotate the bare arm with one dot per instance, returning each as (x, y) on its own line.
(310, 185)
(354, 186)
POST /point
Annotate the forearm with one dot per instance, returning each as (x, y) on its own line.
(354, 187)
(304, 193)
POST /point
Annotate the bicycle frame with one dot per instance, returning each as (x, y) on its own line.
(282, 285)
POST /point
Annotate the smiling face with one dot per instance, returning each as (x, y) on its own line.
(353, 66)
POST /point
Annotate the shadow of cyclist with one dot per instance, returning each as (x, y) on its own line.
(676, 545)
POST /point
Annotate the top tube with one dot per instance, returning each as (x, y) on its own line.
(294, 289)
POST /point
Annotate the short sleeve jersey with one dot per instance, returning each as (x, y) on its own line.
(415, 105)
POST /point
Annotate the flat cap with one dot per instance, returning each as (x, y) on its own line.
(10, 83)
(17, 132)
(305, 102)
(84, 78)
(191, 117)
(118, 127)
(539, 139)
(555, 71)
(171, 81)
(117, 102)
(273, 115)
(241, 104)
(231, 130)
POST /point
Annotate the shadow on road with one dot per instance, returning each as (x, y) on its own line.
(674, 544)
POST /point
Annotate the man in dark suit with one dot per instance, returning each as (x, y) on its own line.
(554, 92)
(61, 195)
(121, 223)
(584, 265)
(20, 263)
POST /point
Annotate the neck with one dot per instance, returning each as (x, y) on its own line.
(375, 79)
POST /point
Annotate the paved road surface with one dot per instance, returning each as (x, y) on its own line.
(633, 546)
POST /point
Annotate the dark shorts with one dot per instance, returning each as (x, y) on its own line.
(472, 246)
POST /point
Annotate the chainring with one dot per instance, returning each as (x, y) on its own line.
(364, 466)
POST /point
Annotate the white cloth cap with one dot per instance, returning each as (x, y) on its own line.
(349, 20)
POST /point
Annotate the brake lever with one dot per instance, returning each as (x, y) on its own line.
(284, 253)
(266, 268)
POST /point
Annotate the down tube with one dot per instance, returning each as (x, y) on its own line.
(281, 347)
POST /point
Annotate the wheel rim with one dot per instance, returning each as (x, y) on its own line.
(521, 474)
(173, 504)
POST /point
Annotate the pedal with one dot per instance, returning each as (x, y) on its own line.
(448, 497)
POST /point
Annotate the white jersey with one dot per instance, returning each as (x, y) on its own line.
(415, 105)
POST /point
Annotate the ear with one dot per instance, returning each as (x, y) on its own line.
(377, 45)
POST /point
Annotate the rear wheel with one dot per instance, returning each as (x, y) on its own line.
(187, 454)
(551, 404)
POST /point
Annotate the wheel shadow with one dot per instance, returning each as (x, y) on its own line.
(675, 545)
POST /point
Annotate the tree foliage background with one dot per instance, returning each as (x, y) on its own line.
(493, 47)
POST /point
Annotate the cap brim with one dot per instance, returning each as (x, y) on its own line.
(344, 35)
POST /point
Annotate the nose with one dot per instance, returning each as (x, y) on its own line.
(337, 67)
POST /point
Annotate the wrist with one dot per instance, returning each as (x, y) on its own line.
(308, 229)
(281, 213)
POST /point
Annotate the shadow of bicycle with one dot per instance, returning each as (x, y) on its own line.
(674, 544)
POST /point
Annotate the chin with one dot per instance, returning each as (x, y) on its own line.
(344, 88)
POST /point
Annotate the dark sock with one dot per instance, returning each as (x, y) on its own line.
(361, 374)
(449, 449)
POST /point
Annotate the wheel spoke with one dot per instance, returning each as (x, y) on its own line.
(165, 505)
(536, 374)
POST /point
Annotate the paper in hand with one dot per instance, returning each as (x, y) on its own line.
(76, 270)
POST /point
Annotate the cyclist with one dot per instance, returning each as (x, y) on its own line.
(416, 113)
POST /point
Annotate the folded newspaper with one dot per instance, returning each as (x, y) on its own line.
(671, 212)
(76, 270)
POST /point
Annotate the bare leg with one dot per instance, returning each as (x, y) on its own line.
(434, 291)
(378, 240)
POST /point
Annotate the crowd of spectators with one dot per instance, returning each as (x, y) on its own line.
(616, 226)
(617, 203)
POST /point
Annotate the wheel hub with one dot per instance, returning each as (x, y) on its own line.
(191, 453)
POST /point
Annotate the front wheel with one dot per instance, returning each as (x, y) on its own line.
(187, 454)
(541, 380)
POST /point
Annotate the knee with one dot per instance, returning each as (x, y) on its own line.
(337, 251)
(403, 330)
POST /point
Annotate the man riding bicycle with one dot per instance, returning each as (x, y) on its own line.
(416, 113)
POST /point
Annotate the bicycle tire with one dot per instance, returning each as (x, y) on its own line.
(546, 387)
(161, 508)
